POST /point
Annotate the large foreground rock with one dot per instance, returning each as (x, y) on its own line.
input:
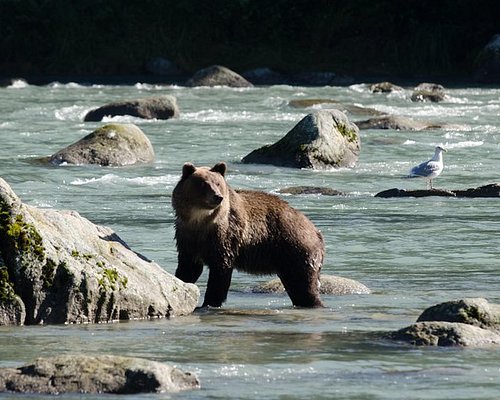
(491, 190)
(465, 322)
(323, 139)
(217, 75)
(110, 145)
(161, 107)
(100, 374)
(330, 285)
(58, 267)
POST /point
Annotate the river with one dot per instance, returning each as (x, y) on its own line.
(412, 252)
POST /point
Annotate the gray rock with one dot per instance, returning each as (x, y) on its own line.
(488, 70)
(110, 145)
(471, 311)
(330, 285)
(439, 333)
(491, 190)
(217, 75)
(323, 139)
(58, 267)
(311, 190)
(346, 108)
(99, 374)
(428, 92)
(464, 322)
(161, 107)
(392, 122)
(385, 87)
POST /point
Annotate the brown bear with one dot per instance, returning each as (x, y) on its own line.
(251, 231)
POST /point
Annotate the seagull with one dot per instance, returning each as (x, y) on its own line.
(429, 169)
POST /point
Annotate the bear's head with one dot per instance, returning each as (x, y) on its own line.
(200, 191)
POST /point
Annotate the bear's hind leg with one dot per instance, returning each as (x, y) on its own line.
(302, 288)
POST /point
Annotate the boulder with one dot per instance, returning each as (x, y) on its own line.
(311, 190)
(57, 267)
(110, 145)
(464, 322)
(323, 139)
(395, 122)
(488, 70)
(95, 374)
(160, 107)
(346, 108)
(385, 87)
(439, 333)
(491, 190)
(428, 92)
(330, 285)
(217, 75)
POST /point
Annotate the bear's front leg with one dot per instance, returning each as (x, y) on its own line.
(219, 280)
(188, 269)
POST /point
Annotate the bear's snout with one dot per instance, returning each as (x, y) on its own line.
(217, 199)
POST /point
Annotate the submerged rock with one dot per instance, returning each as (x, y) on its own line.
(330, 285)
(491, 190)
(110, 145)
(323, 139)
(161, 107)
(58, 267)
(99, 374)
(311, 190)
(217, 75)
(428, 92)
(465, 322)
(394, 122)
(346, 108)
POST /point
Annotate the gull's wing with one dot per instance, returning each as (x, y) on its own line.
(425, 169)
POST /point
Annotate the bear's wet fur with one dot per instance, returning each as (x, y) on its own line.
(251, 231)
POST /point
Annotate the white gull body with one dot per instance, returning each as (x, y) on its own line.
(429, 169)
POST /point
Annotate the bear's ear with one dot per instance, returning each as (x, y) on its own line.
(187, 170)
(220, 168)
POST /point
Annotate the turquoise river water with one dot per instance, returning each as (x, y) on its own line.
(412, 253)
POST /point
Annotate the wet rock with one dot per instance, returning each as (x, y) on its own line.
(446, 334)
(161, 107)
(464, 322)
(428, 92)
(264, 76)
(346, 108)
(217, 75)
(393, 122)
(471, 311)
(491, 190)
(110, 145)
(95, 374)
(330, 285)
(311, 190)
(57, 267)
(385, 87)
(488, 70)
(323, 139)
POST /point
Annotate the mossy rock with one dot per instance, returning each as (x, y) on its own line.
(323, 139)
(109, 145)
